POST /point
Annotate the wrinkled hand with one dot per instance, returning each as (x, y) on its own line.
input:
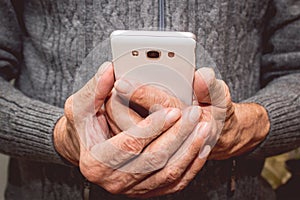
(187, 142)
(231, 128)
(120, 162)
(83, 124)
(242, 126)
(236, 127)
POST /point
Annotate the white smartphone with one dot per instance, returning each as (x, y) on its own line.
(162, 59)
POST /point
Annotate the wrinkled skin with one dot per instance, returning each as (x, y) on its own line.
(119, 163)
(233, 120)
(159, 154)
(231, 129)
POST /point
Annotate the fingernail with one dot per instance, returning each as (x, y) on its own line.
(203, 130)
(172, 113)
(208, 73)
(205, 151)
(122, 86)
(194, 114)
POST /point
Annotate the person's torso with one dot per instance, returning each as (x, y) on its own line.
(61, 34)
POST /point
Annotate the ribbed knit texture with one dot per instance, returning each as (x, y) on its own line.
(44, 44)
(280, 102)
(27, 126)
(281, 97)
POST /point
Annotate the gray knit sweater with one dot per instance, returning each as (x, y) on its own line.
(44, 45)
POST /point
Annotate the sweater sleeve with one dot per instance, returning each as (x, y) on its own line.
(26, 125)
(281, 80)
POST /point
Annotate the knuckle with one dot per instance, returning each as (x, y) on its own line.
(171, 101)
(177, 103)
(132, 144)
(166, 101)
(89, 174)
(181, 130)
(156, 160)
(114, 187)
(173, 174)
(89, 168)
(155, 128)
(139, 95)
(162, 99)
(152, 125)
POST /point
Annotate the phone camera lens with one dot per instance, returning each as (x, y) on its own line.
(153, 54)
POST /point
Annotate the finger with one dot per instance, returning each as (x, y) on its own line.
(102, 122)
(91, 97)
(146, 95)
(157, 154)
(126, 145)
(204, 77)
(181, 183)
(207, 88)
(113, 127)
(178, 164)
(121, 115)
(190, 173)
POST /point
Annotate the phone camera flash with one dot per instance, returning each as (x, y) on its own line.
(171, 54)
(135, 53)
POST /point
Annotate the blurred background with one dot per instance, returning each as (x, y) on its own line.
(283, 173)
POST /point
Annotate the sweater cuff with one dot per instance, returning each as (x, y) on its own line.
(27, 126)
(283, 113)
(37, 122)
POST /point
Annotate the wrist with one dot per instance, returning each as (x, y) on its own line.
(246, 126)
(66, 141)
(253, 119)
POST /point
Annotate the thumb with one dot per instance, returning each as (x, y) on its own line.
(207, 88)
(90, 98)
(203, 81)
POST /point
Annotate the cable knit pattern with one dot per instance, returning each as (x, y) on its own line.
(51, 48)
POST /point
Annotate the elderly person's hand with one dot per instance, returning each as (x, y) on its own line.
(188, 157)
(245, 125)
(237, 128)
(116, 163)
(186, 141)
